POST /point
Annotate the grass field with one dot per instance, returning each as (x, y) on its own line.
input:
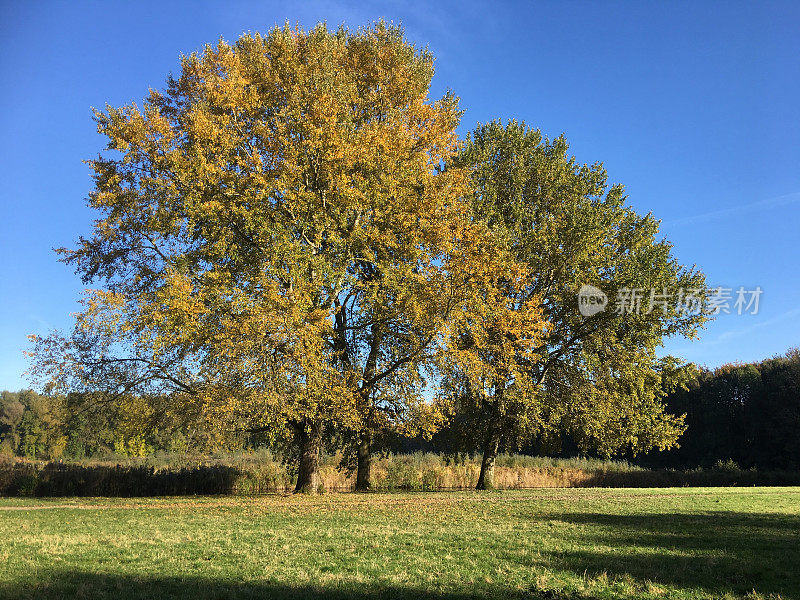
(536, 544)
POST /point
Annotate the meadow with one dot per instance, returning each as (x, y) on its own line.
(535, 544)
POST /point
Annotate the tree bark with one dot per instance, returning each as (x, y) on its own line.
(486, 478)
(363, 482)
(309, 438)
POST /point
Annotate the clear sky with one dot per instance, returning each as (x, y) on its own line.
(694, 107)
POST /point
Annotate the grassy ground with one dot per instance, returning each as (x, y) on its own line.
(535, 544)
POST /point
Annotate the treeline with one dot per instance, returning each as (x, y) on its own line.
(76, 426)
(744, 414)
(748, 414)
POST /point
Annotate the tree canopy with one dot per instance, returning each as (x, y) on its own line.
(292, 240)
(595, 377)
(277, 236)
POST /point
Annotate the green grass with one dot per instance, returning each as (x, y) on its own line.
(535, 544)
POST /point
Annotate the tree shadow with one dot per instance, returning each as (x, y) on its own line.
(95, 586)
(718, 552)
(703, 554)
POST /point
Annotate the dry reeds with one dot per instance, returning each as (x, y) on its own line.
(260, 473)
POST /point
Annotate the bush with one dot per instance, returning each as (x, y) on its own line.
(726, 466)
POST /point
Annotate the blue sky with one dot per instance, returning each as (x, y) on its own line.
(694, 107)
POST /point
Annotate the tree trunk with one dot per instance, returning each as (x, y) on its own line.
(309, 438)
(363, 482)
(486, 478)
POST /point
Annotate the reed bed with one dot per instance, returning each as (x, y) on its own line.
(261, 473)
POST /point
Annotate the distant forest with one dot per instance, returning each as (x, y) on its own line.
(745, 413)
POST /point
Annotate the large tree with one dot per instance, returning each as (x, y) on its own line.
(276, 238)
(595, 377)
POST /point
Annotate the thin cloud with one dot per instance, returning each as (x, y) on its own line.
(746, 330)
(769, 203)
(726, 336)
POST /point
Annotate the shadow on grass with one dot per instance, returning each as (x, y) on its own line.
(718, 551)
(111, 587)
(703, 555)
